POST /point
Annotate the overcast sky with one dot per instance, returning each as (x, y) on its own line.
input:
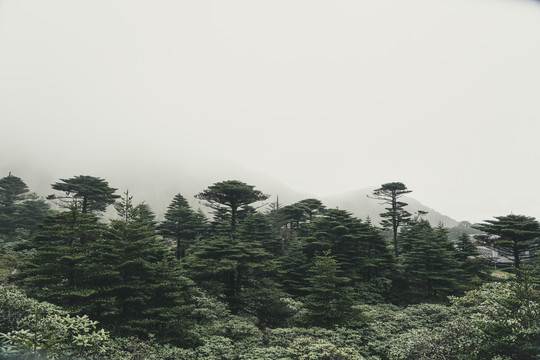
(324, 96)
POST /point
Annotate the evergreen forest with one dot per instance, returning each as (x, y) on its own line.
(248, 278)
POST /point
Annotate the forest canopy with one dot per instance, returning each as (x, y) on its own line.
(293, 281)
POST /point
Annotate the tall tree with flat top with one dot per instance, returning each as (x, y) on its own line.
(514, 236)
(395, 215)
(93, 193)
(231, 195)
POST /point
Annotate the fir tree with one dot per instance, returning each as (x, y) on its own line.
(94, 193)
(151, 296)
(475, 269)
(396, 215)
(13, 191)
(429, 264)
(256, 227)
(182, 225)
(329, 299)
(514, 236)
(358, 247)
(66, 268)
(231, 195)
(241, 269)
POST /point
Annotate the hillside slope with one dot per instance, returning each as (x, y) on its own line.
(362, 206)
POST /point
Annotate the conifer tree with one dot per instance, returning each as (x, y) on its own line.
(429, 264)
(329, 299)
(231, 195)
(275, 216)
(182, 225)
(312, 208)
(241, 269)
(151, 296)
(295, 215)
(514, 236)
(66, 269)
(396, 215)
(358, 247)
(145, 214)
(31, 213)
(294, 266)
(465, 247)
(94, 193)
(256, 227)
(13, 191)
(475, 269)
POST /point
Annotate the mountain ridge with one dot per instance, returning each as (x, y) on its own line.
(156, 183)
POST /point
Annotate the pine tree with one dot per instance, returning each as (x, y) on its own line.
(256, 227)
(312, 208)
(358, 247)
(94, 193)
(31, 213)
(65, 269)
(182, 225)
(151, 296)
(231, 195)
(294, 266)
(514, 236)
(145, 214)
(475, 269)
(241, 269)
(13, 191)
(396, 215)
(429, 265)
(329, 299)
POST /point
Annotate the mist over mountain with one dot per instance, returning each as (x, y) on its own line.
(155, 181)
(362, 206)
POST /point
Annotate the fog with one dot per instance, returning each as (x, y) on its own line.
(321, 96)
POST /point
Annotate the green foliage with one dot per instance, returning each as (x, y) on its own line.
(358, 247)
(231, 195)
(301, 212)
(383, 324)
(299, 265)
(256, 227)
(31, 213)
(475, 269)
(294, 267)
(396, 215)
(19, 209)
(64, 268)
(309, 349)
(38, 330)
(182, 225)
(150, 295)
(454, 340)
(496, 321)
(429, 262)
(329, 298)
(241, 269)
(507, 316)
(121, 274)
(514, 236)
(12, 191)
(32, 329)
(93, 193)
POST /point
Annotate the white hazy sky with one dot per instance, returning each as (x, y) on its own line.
(325, 96)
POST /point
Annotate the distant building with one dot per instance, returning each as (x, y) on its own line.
(495, 256)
